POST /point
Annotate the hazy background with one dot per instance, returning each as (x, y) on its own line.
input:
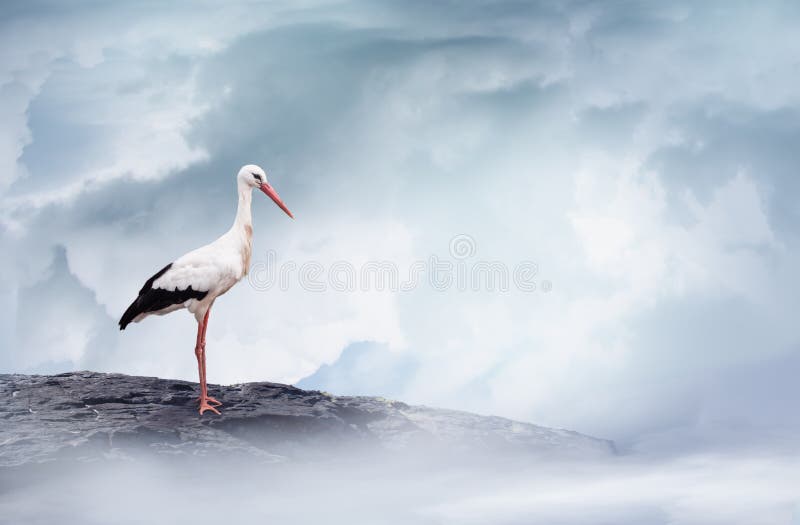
(645, 156)
(707, 490)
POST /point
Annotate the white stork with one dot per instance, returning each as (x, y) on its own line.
(195, 280)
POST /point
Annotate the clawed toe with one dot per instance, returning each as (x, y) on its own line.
(204, 405)
(211, 401)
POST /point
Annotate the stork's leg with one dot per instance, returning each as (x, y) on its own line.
(203, 342)
(200, 352)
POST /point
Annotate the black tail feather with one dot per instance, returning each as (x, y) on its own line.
(136, 306)
(129, 315)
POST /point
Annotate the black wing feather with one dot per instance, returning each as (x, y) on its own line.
(154, 299)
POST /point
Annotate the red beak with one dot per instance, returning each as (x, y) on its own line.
(272, 194)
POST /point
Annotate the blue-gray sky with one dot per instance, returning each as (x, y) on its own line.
(643, 155)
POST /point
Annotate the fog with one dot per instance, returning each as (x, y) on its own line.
(707, 488)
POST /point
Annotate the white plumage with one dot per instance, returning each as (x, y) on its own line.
(213, 268)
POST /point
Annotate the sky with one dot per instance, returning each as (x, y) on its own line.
(629, 167)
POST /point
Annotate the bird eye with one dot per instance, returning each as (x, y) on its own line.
(257, 176)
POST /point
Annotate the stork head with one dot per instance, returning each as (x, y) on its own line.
(255, 177)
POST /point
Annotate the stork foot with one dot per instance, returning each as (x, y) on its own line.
(211, 401)
(205, 405)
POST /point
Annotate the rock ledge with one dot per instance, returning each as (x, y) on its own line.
(89, 416)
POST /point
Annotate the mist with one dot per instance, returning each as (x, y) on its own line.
(741, 488)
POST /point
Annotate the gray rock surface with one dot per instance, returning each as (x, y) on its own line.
(89, 416)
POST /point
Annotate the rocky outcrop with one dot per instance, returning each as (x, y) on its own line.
(88, 416)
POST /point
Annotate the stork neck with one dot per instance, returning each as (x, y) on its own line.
(244, 216)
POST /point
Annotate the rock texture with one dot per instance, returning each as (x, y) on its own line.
(88, 416)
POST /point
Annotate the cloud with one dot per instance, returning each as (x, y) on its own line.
(361, 369)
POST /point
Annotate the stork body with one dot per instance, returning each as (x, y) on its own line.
(196, 279)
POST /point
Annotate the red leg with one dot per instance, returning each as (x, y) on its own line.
(210, 399)
(200, 352)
